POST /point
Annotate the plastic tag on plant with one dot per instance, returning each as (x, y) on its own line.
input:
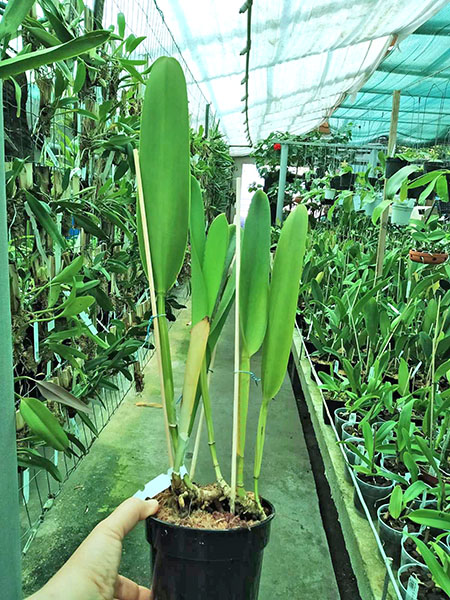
(157, 485)
(26, 485)
(352, 419)
(36, 341)
(361, 448)
(412, 590)
(336, 366)
(55, 457)
(413, 374)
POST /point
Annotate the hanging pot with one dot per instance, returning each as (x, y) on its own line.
(335, 183)
(406, 557)
(346, 180)
(401, 212)
(373, 494)
(369, 207)
(428, 258)
(443, 207)
(191, 563)
(330, 193)
(393, 165)
(410, 570)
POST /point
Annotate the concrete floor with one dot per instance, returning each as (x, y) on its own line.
(131, 450)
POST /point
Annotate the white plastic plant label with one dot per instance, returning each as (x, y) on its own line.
(26, 485)
(55, 457)
(158, 484)
(412, 590)
(36, 341)
(352, 419)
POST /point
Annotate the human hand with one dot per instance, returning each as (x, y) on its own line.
(91, 573)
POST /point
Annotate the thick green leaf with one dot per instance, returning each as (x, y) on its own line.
(255, 267)
(371, 319)
(396, 502)
(42, 35)
(403, 377)
(121, 24)
(55, 393)
(394, 183)
(29, 458)
(431, 518)
(214, 260)
(43, 423)
(68, 273)
(283, 296)
(198, 242)
(15, 13)
(74, 306)
(80, 77)
(165, 166)
(87, 222)
(33, 60)
(41, 212)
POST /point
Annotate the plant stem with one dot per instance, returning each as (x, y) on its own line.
(166, 362)
(260, 435)
(244, 389)
(209, 425)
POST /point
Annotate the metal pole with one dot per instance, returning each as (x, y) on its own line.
(390, 153)
(10, 578)
(282, 181)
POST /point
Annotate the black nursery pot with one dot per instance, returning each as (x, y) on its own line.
(393, 165)
(200, 564)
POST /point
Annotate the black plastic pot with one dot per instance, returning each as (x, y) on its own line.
(200, 564)
(433, 165)
(415, 192)
(443, 208)
(393, 165)
(332, 406)
(335, 183)
(346, 180)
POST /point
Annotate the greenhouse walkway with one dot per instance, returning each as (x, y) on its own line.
(131, 450)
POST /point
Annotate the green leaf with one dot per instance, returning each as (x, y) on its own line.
(102, 299)
(32, 60)
(214, 260)
(40, 211)
(42, 35)
(165, 166)
(283, 296)
(80, 77)
(439, 574)
(132, 44)
(29, 458)
(87, 222)
(394, 183)
(371, 319)
(403, 377)
(43, 423)
(121, 24)
(431, 518)
(255, 267)
(56, 393)
(426, 343)
(15, 13)
(75, 306)
(379, 210)
(442, 370)
(68, 273)
(53, 294)
(396, 502)
(442, 188)
(414, 490)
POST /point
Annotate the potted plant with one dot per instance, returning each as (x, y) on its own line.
(426, 582)
(391, 517)
(431, 242)
(191, 561)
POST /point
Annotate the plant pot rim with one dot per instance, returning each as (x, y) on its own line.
(379, 511)
(373, 485)
(433, 257)
(235, 530)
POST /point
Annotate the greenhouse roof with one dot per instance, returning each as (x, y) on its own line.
(307, 57)
(420, 67)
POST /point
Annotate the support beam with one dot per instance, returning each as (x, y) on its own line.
(390, 153)
(10, 576)
(282, 181)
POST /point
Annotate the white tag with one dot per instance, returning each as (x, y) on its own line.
(352, 419)
(26, 485)
(336, 366)
(158, 484)
(74, 426)
(55, 457)
(36, 341)
(397, 312)
(87, 321)
(357, 458)
(413, 374)
(413, 588)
